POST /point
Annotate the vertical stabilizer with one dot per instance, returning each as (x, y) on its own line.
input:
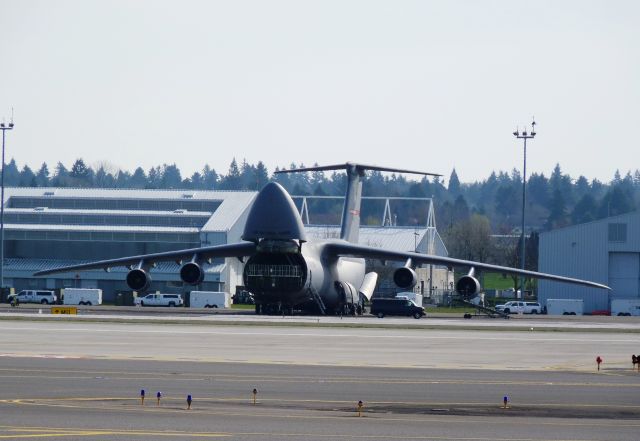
(350, 226)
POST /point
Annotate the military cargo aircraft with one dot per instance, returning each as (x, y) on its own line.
(287, 272)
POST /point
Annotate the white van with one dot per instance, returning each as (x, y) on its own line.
(209, 299)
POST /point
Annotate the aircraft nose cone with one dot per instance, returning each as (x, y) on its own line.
(274, 216)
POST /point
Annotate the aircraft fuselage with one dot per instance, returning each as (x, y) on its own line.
(290, 276)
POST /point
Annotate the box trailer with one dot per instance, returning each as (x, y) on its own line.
(625, 307)
(209, 299)
(82, 296)
(565, 306)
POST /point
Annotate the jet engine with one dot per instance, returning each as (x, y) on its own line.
(192, 273)
(138, 280)
(468, 286)
(405, 277)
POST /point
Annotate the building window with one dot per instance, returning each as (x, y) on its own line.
(617, 232)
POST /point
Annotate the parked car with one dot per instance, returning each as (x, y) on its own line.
(517, 307)
(34, 296)
(160, 300)
(382, 307)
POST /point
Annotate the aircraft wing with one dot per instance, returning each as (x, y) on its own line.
(352, 250)
(232, 250)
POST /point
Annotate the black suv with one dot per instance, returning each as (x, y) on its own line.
(382, 307)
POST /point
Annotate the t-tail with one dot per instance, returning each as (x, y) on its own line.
(350, 224)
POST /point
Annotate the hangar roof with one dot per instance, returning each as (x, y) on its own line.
(393, 238)
(33, 265)
(223, 208)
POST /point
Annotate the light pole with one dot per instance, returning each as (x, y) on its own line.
(524, 136)
(4, 127)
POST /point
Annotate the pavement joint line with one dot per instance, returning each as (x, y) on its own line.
(181, 321)
(584, 368)
(337, 380)
(53, 402)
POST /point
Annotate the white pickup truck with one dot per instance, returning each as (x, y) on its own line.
(517, 307)
(159, 299)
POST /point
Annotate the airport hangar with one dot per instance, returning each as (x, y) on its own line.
(605, 251)
(50, 227)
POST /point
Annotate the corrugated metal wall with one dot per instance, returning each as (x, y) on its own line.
(588, 251)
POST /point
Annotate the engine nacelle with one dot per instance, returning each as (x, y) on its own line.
(405, 277)
(468, 286)
(191, 273)
(138, 280)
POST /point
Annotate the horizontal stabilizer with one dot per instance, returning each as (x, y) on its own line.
(359, 167)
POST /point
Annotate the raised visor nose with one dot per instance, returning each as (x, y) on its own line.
(274, 216)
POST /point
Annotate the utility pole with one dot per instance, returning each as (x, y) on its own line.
(524, 136)
(4, 127)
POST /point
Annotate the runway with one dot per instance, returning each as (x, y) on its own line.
(68, 380)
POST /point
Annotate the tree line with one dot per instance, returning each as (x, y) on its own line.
(466, 212)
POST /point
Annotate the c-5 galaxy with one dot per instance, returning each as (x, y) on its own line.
(287, 272)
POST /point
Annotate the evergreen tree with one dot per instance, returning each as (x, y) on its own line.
(209, 178)
(461, 211)
(27, 177)
(138, 179)
(506, 202)
(616, 202)
(196, 181)
(586, 210)
(171, 177)
(557, 211)
(261, 176)
(154, 177)
(538, 189)
(454, 184)
(61, 176)
(123, 179)
(232, 180)
(581, 187)
(42, 177)
(11, 174)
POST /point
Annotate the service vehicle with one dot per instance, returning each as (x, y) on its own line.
(565, 306)
(209, 299)
(410, 295)
(82, 296)
(516, 307)
(382, 307)
(159, 299)
(34, 296)
(513, 307)
(628, 307)
(243, 297)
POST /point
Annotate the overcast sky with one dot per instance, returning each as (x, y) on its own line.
(428, 85)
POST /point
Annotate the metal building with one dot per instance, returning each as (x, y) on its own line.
(50, 227)
(605, 251)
